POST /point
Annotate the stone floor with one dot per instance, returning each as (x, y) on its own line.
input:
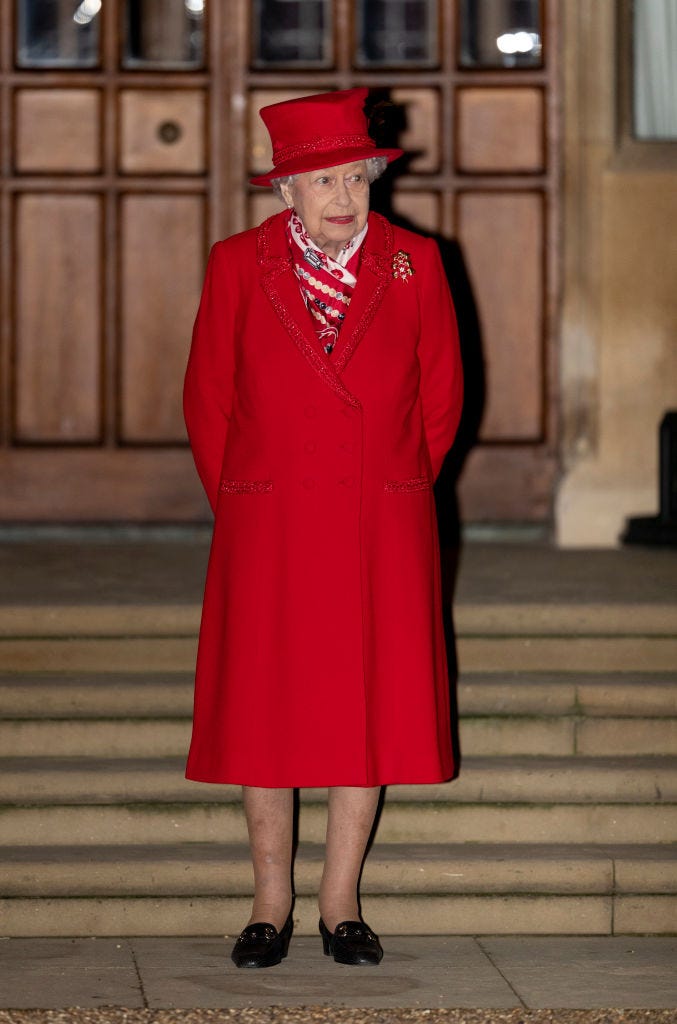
(421, 973)
(125, 571)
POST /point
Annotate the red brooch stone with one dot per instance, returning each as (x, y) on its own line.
(402, 268)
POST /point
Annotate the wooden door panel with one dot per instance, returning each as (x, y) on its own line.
(57, 339)
(263, 205)
(162, 243)
(137, 484)
(502, 238)
(419, 208)
(420, 136)
(507, 483)
(162, 131)
(500, 130)
(42, 144)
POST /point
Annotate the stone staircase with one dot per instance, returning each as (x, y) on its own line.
(563, 819)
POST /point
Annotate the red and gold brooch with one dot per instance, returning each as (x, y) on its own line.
(402, 268)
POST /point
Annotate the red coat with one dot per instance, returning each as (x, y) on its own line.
(321, 658)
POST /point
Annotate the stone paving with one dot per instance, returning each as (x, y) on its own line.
(422, 973)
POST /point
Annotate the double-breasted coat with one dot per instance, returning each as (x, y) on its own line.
(321, 658)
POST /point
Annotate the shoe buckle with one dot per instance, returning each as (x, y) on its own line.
(256, 934)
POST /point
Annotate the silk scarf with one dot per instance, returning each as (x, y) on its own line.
(326, 284)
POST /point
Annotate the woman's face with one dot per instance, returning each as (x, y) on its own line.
(332, 203)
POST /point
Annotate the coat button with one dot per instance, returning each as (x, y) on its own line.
(310, 411)
(347, 481)
(346, 447)
(310, 447)
(309, 483)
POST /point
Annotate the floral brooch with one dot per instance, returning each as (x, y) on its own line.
(402, 268)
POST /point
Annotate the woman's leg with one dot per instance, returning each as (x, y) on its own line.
(269, 814)
(349, 822)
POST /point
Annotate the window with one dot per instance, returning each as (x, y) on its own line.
(290, 33)
(58, 33)
(164, 34)
(654, 78)
(500, 33)
(396, 33)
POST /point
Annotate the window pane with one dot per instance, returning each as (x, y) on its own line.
(291, 33)
(500, 33)
(397, 33)
(655, 69)
(164, 34)
(58, 33)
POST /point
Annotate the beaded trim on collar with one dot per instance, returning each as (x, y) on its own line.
(273, 254)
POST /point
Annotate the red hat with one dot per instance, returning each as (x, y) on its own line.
(318, 131)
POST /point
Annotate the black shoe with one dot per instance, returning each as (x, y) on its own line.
(352, 943)
(261, 945)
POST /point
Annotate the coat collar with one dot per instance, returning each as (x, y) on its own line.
(280, 284)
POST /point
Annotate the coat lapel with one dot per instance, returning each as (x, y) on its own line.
(372, 283)
(280, 284)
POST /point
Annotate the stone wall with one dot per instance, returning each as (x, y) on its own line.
(618, 366)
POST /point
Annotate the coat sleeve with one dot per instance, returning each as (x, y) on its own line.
(209, 381)
(439, 358)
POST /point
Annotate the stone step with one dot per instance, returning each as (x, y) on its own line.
(480, 736)
(517, 780)
(170, 694)
(213, 869)
(407, 889)
(504, 618)
(499, 914)
(124, 824)
(590, 654)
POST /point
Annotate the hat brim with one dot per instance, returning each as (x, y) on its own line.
(318, 161)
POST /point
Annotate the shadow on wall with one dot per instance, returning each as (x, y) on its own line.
(388, 121)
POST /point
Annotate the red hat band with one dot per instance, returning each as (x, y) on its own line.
(299, 131)
(327, 145)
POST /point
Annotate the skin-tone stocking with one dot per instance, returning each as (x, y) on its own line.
(349, 823)
(269, 814)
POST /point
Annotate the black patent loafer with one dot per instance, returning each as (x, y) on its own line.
(261, 945)
(353, 942)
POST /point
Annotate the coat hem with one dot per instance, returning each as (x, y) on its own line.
(231, 780)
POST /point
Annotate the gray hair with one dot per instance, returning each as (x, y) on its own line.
(376, 165)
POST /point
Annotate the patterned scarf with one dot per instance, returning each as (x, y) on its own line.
(326, 284)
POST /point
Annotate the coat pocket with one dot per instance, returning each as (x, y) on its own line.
(413, 483)
(245, 486)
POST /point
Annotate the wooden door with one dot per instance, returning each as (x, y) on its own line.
(109, 200)
(130, 129)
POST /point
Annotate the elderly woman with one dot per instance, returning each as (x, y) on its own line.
(323, 390)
